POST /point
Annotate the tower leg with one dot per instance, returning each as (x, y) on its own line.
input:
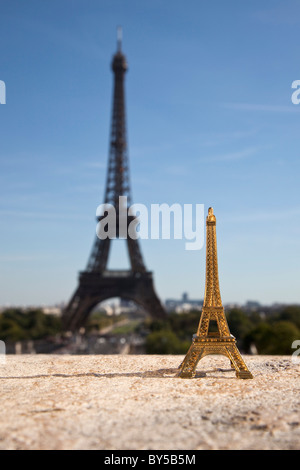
(187, 368)
(242, 371)
(77, 311)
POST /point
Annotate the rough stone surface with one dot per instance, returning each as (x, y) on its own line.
(136, 402)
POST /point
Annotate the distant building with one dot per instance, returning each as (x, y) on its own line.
(52, 310)
(252, 305)
(232, 305)
(183, 305)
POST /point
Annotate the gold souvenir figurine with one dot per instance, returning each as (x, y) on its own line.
(205, 342)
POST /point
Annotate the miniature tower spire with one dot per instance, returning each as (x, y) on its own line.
(212, 296)
(205, 342)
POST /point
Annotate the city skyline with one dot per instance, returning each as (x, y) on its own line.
(209, 121)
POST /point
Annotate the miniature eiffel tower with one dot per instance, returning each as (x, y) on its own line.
(205, 342)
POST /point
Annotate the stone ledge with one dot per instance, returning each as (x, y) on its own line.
(135, 402)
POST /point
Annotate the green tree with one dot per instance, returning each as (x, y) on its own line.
(16, 325)
(165, 342)
(240, 325)
(291, 313)
(273, 338)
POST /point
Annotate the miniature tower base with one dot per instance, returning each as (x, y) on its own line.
(201, 347)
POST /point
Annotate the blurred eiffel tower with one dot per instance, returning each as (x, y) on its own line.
(97, 283)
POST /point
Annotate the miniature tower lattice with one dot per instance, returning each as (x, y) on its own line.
(205, 342)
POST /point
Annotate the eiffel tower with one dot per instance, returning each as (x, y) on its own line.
(97, 283)
(205, 342)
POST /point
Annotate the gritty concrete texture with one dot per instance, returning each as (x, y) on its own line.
(135, 402)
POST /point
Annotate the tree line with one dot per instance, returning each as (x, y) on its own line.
(272, 333)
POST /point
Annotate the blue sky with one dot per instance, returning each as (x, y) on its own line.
(210, 121)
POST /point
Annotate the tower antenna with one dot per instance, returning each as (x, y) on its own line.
(119, 38)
